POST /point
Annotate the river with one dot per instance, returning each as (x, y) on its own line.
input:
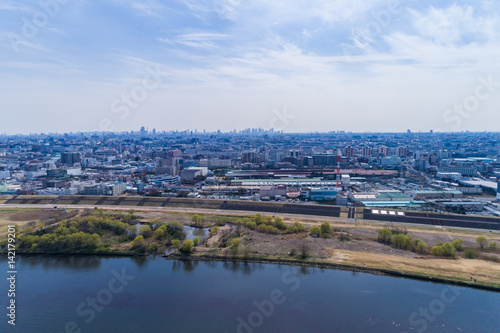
(123, 294)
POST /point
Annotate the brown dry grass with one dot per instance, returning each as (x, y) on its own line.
(21, 217)
(483, 271)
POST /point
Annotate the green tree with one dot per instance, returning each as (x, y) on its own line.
(187, 247)
(159, 233)
(145, 230)
(384, 236)
(326, 229)
(235, 244)
(152, 248)
(176, 230)
(278, 222)
(449, 250)
(482, 242)
(421, 247)
(176, 244)
(492, 245)
(196, 241)
(197, 219)
(315, 231)
(458, 244)
(138, 243)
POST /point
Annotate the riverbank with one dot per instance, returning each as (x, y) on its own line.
(344, 246)
(338, 266)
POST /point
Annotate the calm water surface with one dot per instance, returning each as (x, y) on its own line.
(104, 294)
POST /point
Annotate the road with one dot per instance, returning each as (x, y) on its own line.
(318, 219)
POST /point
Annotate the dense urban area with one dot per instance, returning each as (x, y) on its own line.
(442, 172)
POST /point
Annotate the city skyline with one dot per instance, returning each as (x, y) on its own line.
(359, 66)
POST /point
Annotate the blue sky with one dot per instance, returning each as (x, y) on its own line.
(360, 65)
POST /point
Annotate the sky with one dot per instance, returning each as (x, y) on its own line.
(291, 65)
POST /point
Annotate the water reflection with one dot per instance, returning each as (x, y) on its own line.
(86, 263)
(190, 265)
(74, 262)
(140, 261)
(186, 266)
(192, 232)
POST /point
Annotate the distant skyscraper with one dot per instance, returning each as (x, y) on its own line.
(384, 151)
(401, 151)
(349, 151)
(367, 151)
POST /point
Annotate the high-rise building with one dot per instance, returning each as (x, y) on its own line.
(249, 157)
(349, 151)
(367, 151)
(384, 151)
(401, 151)
(70, 157)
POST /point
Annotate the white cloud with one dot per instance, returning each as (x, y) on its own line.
(204, 40)
(453, 25)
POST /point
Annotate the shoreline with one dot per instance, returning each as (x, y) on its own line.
(282, 261)
(337, 266)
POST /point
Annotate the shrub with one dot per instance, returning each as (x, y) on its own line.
(449, 250)
(300, 227)
(315, 231)
(251, 225)
(145, 230)
(491, 258)
(278, 222)
(458, 244)
(235, 244)
(384, 236)
(492, 245)
(326, 229)
(152, 247)
(471, 254)
(437, 251)
(421, 247)
(213, 230)
(262, 228)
